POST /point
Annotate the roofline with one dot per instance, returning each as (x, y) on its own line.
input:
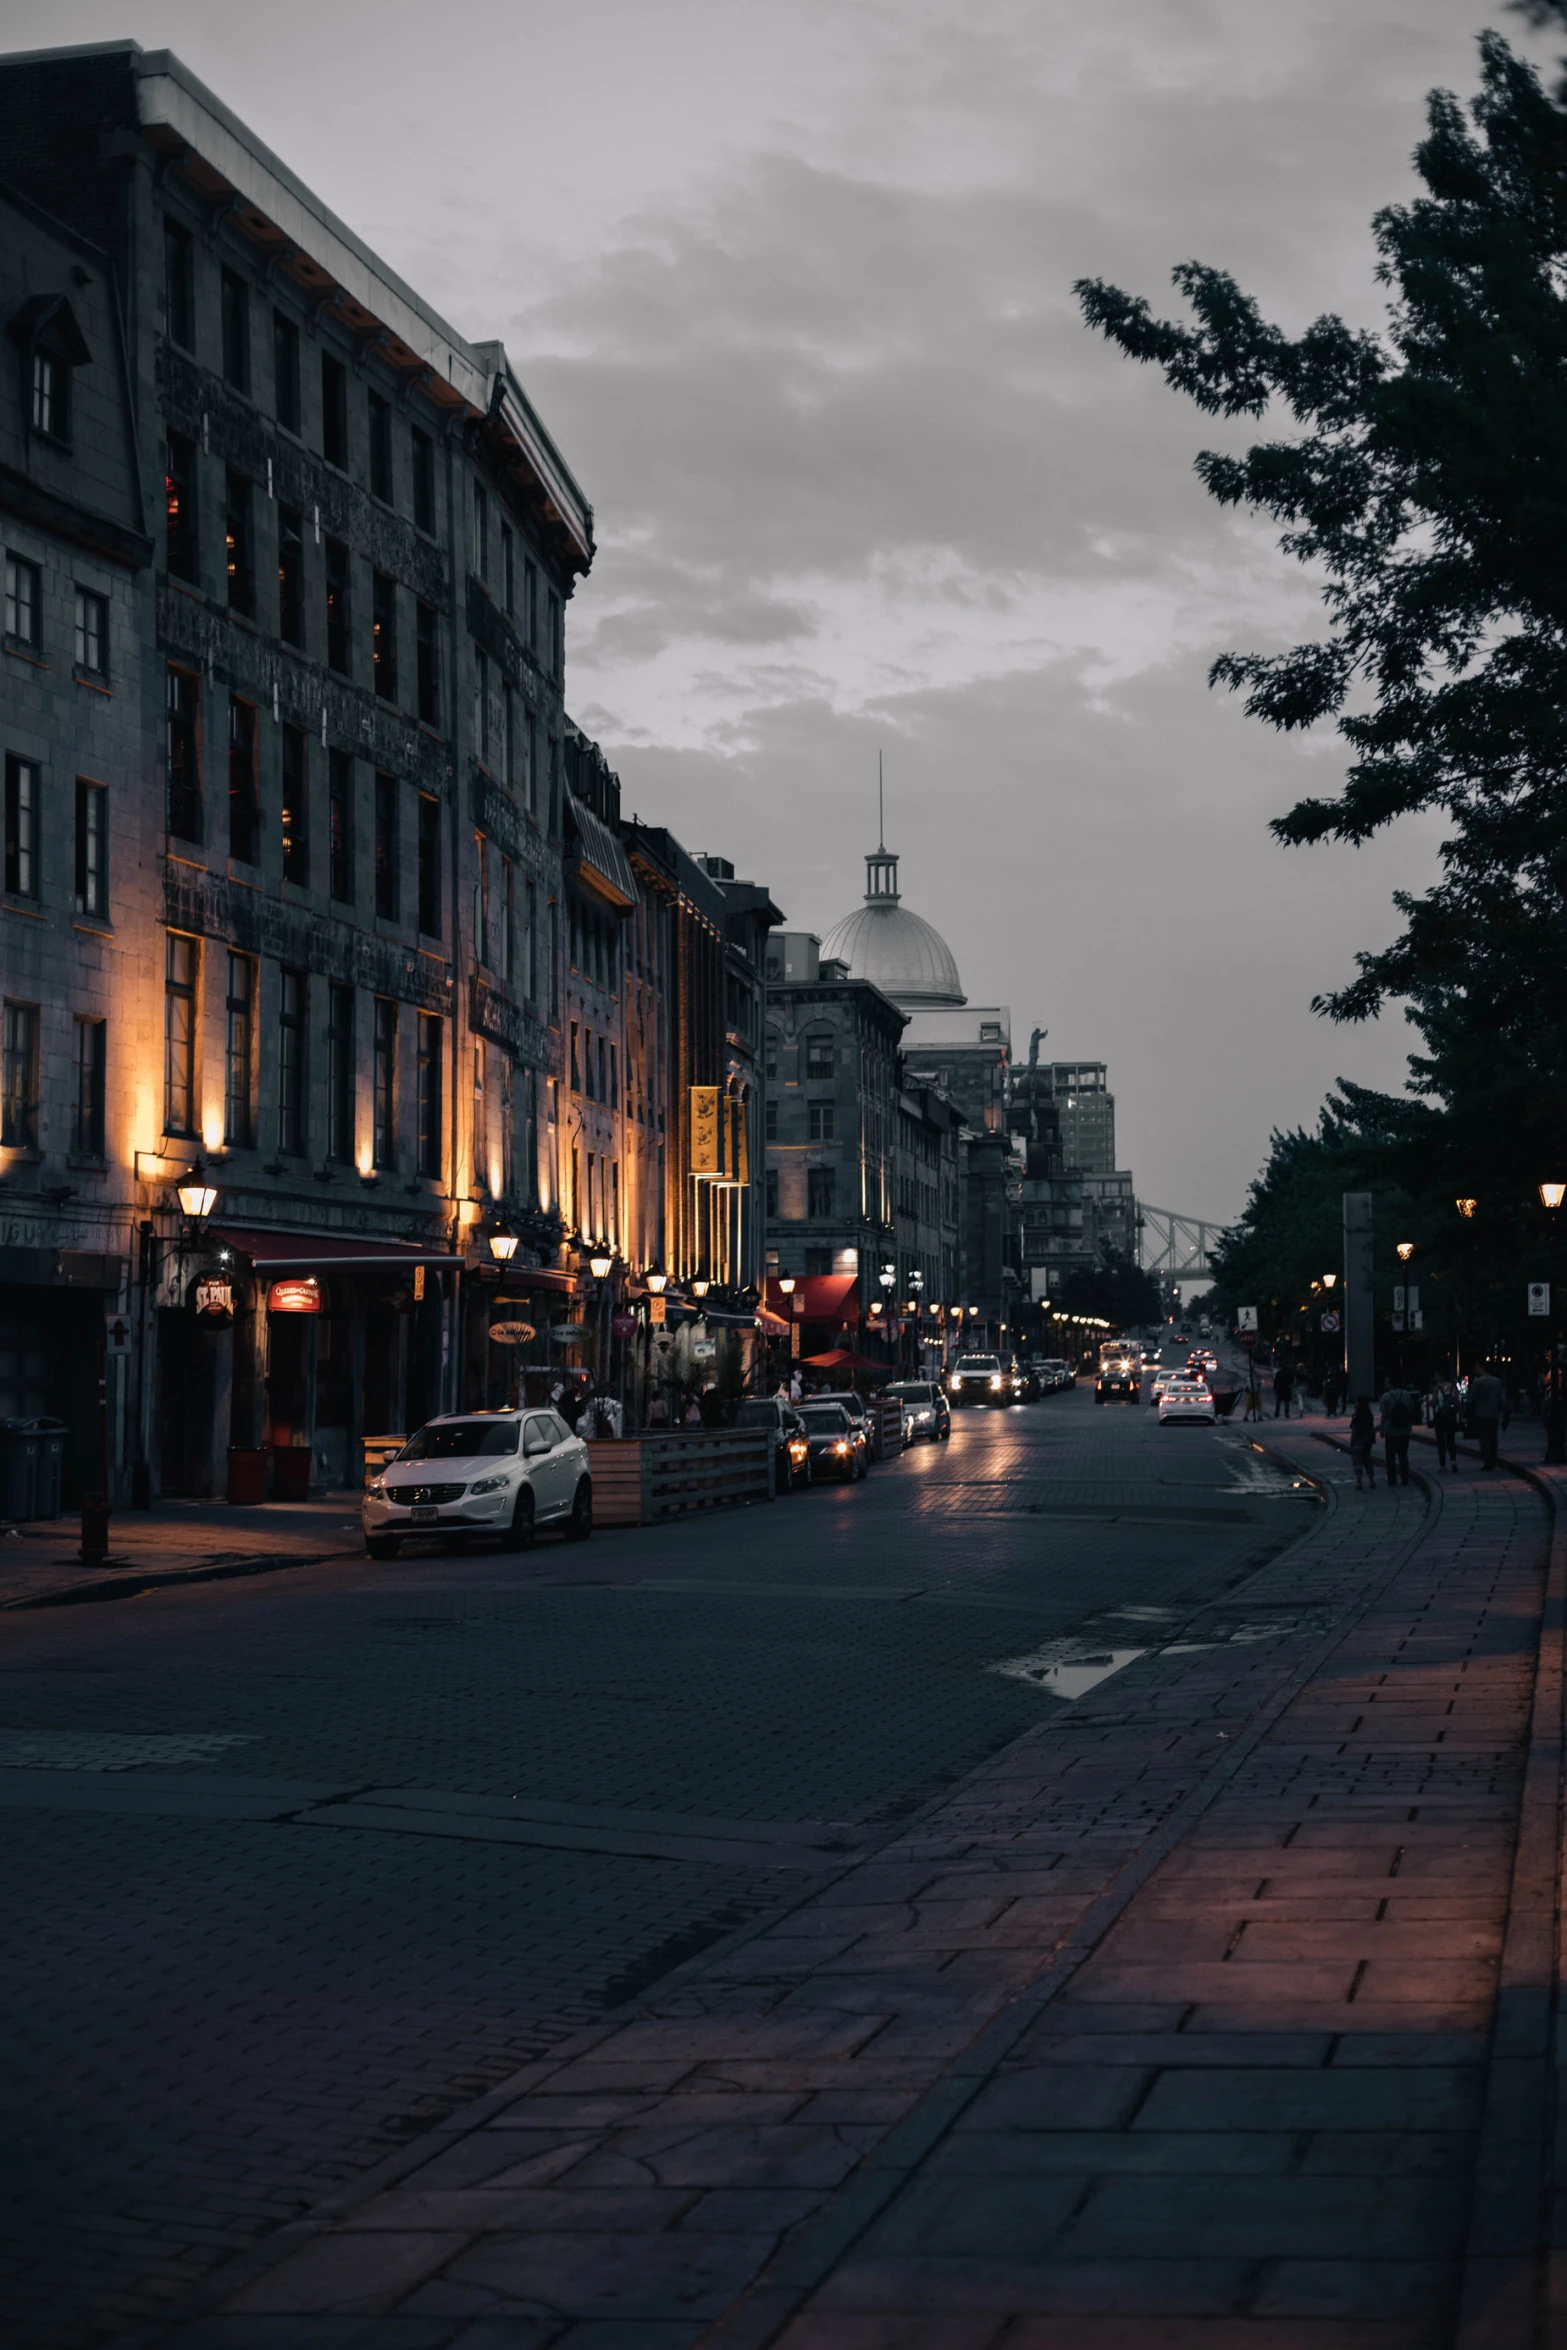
(170, 97)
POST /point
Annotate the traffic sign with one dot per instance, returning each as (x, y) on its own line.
(1248, 1338)
(1246, 1319)
(116, 1335)
(1539, 1297)
(1330, 1320)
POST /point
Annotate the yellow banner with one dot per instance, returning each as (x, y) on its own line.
(705, 1139)
(740, 1151)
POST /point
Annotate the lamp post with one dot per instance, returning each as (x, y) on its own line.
(1551, 1196)
(1466, 1208)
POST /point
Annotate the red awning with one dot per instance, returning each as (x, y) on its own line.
(843, 1358)
(334, 1252)
(818, 1297)
(771, 1323)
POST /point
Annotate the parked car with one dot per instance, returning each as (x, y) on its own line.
(791, 1447)
(839, 1447)
(978, 1379)
(860, 1413)
(925, 1410)
(1057, 1372)
(503, 1473)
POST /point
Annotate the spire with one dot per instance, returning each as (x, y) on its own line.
(881, 870)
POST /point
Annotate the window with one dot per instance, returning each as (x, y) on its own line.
(429, 667)
(772, 1052)
(509, 707)
(179, 285)
(614, 1079)
(556, 650)
(819, 1058)
(238, 1050)
(243, 812)
(285, 370)
(380, 448)
(508, 919)
(24, 603)
(21, 827)
(340, 846)
(383, 635)
(772, 1191)
(334, 411)
(530, 603)
(481, 702)
(296, 808)
(292, 1004)
(179, 1035)
(429, 866)
(603, 1092)
(19, 1098)
(340, 1075)
(429, 1142)
(481, 531)
(508, 1130)
(92, 849)
(424, 481)
(290, 575)
(92, 633)
(88, 1089)
(182, 708)
(338, 653)
(179, 505)
(237, 542)
(236, 331)
(530, 764)
(820, 1187)
(481, 900)
(533, 942)
(51, 383)
(576, 1079)
(386, 874)
(821, 1122)
(771, 1123)
(385, 1140)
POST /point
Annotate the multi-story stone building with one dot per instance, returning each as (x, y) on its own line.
(82, 840)
(330, 958)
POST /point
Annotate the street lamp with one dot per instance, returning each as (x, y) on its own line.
(786, 1284)
(656, 1282)
(1328, 1280)
(1551, 1196)
(197, 1197)
(1466, 1207)
(700, 1288)
(600, 1267)
(503, 1244)
(1406, 1248)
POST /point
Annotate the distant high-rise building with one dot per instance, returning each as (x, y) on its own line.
(1085, 1114)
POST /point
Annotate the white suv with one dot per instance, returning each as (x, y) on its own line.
(504, 1473)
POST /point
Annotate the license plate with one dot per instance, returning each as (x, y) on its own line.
(424, 1517)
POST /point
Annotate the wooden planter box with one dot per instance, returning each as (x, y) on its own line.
(639, 1480)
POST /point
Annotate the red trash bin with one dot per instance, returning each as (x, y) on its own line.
(247, 1476)
(291, 1472)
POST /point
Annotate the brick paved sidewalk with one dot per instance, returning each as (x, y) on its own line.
(1172, 2024)
(177, 1542)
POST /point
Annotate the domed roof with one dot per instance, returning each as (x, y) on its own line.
(897, 951)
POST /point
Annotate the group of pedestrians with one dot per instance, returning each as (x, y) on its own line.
(1393, 1419)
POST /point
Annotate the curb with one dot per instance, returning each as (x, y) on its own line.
(130, 1586)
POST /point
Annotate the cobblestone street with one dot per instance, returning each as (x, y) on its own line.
(987, 1896)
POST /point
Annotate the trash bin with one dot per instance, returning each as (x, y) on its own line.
(291, 1472)
(32, 1455)
(247, 1476)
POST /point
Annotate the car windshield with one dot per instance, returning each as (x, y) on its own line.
(824, 1418)
(913, 1391)
(978, 1363)
(852, 1404)
(757, 1414)
(450, 1440)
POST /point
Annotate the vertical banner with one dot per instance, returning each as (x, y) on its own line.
(705, 1139)
(1359, 1302)
(740, 1151)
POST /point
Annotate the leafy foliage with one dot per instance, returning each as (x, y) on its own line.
(1118, 1289)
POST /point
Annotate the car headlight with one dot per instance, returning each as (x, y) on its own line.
(377, 1486)
(995, 1383)
(842, 1444)
(487, 1485)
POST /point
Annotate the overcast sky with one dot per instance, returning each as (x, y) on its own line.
(790, 282)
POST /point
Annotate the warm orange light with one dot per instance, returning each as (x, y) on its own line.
(1466, 1207)
(1552, 1194)
(1406, 1249)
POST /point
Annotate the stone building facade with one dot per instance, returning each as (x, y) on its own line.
(336, 885)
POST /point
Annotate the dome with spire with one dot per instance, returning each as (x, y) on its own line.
(897, 951)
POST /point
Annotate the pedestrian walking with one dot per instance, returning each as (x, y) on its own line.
(1398, 1417)
(1444, 1421)
(1333, 1391)
(1362, 1443)
(1283, 1390)
(1488, 1413)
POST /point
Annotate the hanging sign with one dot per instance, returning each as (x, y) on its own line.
(623, 1325)
(703, 1349)
(215, 1298)
(295, 1297)
(655, 1310)
(1539, 1297)
(706, 1147)
(511, 1333)
(568, 1334)
(739, 1144)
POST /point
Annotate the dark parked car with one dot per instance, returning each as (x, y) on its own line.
(838, 1444)
(925, 1410)
(792, 1452)
(860, 1413)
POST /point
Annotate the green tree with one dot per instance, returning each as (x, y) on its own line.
(1424, 478)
